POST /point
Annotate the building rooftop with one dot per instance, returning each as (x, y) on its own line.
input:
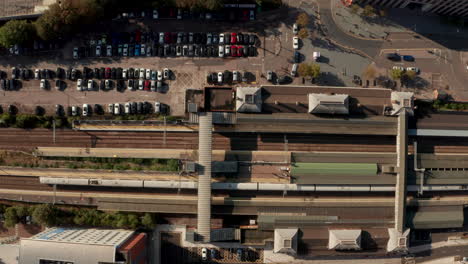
(328, 103)
(14, 9)
(285, 240)
(108, 237)
(344, 239)
(249, 99)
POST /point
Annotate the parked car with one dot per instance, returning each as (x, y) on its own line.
(204, 254)
(127, 108)
(43, 84)
(166, 74)
(269, 76)
(90, 85)
(393, 56)
(159, 76)
(153, 85)
(157, 107)
(109, 50)
(110, 108)
(130, 84)
(140, 84)
(415, 69)
(398, 68)
(98, 51)
(220, 77)
(155, 14)
(85, 110)
(117, 109)
(75, 53)
(58, 85)
(107, 84)
(235, 76)
(295, 29)
(74, 111)
(148, 74)
(79, 84)
(408, 58)
(296, 43)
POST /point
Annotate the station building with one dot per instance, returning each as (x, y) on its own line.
(443, 7)
(84, 246)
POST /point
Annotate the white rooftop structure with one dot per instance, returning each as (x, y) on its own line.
(74, 245)
(397, 242)
(285, 241)
(344, 239)
(249, 99)
(402, 101)
(328, 103)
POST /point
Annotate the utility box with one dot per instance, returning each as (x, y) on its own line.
(190, 167)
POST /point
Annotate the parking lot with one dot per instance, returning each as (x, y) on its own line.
(188, 72)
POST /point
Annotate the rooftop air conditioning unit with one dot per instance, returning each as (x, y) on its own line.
(190, 167)
(388, 169)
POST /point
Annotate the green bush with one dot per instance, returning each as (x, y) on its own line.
(16, 32)
(26, 121)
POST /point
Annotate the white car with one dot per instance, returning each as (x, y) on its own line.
(295, 29)
(179, 14)
(190, 37)
(157, 107)
(43, 84)
(107, 84)
(221, 38)
(161, 38)
(296, 43)
(153, 86)
(90, 85)
(109, 50)
(221, 51)
(110, 108)
(166, 73)
(74, 110)
(127, 108)
(117, 109)
(160, 77)
(79, 84)
(204, 254)
(142, 73)
(235, 76)
(220, 77)
(143, 50)
(155, 14)
(75, 53)
(130, 85)
(37, 74)
(227, 50)
(148, 74)
(85, 110)
(125, 74)
(415, 69)
(98, 51)
(140, 85)
(398, 68)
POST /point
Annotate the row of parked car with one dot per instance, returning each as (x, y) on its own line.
(225, 77)
(164, 44)
(114, 109)
(235, 13)
(120, 85)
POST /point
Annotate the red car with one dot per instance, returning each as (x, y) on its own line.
(167, 37)
(147, 85)
(240, 51)
(233, 38)
(108, 73)
(138, 36)
(234, 51)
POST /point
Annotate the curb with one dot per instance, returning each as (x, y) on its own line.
(344, 31)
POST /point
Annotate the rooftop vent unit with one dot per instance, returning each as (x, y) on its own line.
(190, 167)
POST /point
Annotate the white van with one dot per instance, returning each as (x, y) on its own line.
(294, 70)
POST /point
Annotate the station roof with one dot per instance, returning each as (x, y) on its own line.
(285, 240)
(328, 103)
(344, 239)
(249, 99)
(15, 9)
(362, 169)
(428, 218)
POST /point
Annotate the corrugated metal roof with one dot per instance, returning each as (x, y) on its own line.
(422, 219)
(362, 169)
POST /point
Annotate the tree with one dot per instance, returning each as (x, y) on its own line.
(26, 121)
(303, 33)
(302, 20)
(121, 220)
(148, 221)
(59, 20)
(396, 74)
(382, 13)
(11, 219)
(16, 32)
(410, 75)
(370, 72)
(368, 11)
(315, 70)
(44, 214)
(354, 8)
(133, 221)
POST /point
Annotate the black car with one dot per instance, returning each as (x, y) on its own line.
(203, 38)
(167, 50)
(252, 38)
(209, 78)
(161, 51)
(39, 110)
(87, 73)
(173, 50)
(23, 74)
(96, 73)
(14, 73)
(3, 84)
(12, 109)
(69, 111)
(394, 56)
(202, 52)
(58, 84)
(297, 57)
(113, 73)
(120, 85)
(102, 72)
(227, 77)
(252, 51)
(119, 73)
(98, 109)
(130, 73)
(59, 73)
(69, 73)
(283, 79)
(240, 38)
(139, 107)
(59, 110)
(185, 38)
(131, 50)
(133, 107)
(12, 84)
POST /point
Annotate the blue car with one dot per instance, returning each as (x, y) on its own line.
(408, 58)
(137, 49)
